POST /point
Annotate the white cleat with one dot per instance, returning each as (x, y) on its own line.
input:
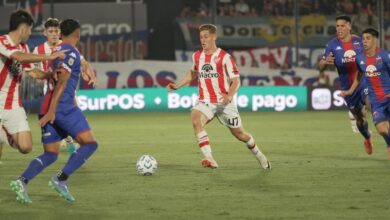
(209, 163)
(264, 162)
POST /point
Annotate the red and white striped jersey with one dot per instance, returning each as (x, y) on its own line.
(214, 74)
(11, 73)
(46, 50)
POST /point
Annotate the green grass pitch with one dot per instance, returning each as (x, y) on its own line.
(320, 171)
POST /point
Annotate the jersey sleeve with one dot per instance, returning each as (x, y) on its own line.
(327, 51)
(70, 60)
(6, 49)
(230, 66)
(357, 61)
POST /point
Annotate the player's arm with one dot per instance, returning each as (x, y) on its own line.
(39, 74)
(233, 88)
(327, 58)
(35, 58)
(63, 76)
(190, 75)
(354, 85)
(88, 73)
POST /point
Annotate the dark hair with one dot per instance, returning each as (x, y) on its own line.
(52, 22)
(20, 17)
(371, 31)
(68, 26)
(345, 18)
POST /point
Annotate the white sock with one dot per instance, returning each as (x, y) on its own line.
(252, 146)
(204, 144)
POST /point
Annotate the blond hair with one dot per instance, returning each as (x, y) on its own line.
(208, 27)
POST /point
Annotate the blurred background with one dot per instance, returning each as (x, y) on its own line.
(139, 46)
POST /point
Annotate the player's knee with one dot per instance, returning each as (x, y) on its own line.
(25, 149)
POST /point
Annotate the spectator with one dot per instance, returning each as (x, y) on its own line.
(242, 8)
(323, 80)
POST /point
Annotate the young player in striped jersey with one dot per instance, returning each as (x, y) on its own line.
(374, 64)
(16, 59)
(341, 52)
(218, 82)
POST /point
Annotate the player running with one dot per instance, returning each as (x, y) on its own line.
(218, 82)
(374, 63)
(341, 52)
(59, 118)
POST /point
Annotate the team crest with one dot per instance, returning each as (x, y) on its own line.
(71, 61)
(378, 60)
(356, 45)
(217, 59)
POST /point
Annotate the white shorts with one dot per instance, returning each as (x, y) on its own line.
(227, 114)
(14, 120)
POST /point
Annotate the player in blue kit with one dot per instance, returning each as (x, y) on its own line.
(59, 118)
(374, 64)
(341, 52)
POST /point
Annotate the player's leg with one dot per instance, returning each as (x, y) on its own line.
(383, 129)
(352, 119)
(17, 130)
(230, 117)
(201, 114)
(51, 137)
(362, 125)
(77, 126)
(250, 142)
(355, 104)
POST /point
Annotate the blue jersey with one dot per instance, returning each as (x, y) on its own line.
(71, 64)
(344, 54)
(376, 70)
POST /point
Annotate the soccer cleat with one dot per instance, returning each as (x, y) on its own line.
(209, 163)
(61, 187)
(368, 146)
(20, 189)
(264, 162)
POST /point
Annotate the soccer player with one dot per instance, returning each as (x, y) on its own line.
(59, 118)
(218, 82)
(374, 64)
(52, 33)
(16, 59)
(341, 52)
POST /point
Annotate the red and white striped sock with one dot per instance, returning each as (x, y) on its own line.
(251, 144)
(204, 144)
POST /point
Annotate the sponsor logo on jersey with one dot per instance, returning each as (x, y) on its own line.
(371, 71)
(349, 56)
(207, 72)
(338, 48)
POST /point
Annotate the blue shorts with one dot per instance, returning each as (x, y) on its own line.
(356, 101)
(380, 112)
(72, 122)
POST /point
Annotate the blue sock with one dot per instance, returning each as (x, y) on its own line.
(78, 158)
(363, 128)
(37, 165)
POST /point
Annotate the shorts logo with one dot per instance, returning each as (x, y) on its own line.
(47, 134)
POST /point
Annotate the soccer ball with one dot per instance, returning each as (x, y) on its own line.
(146, 165)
